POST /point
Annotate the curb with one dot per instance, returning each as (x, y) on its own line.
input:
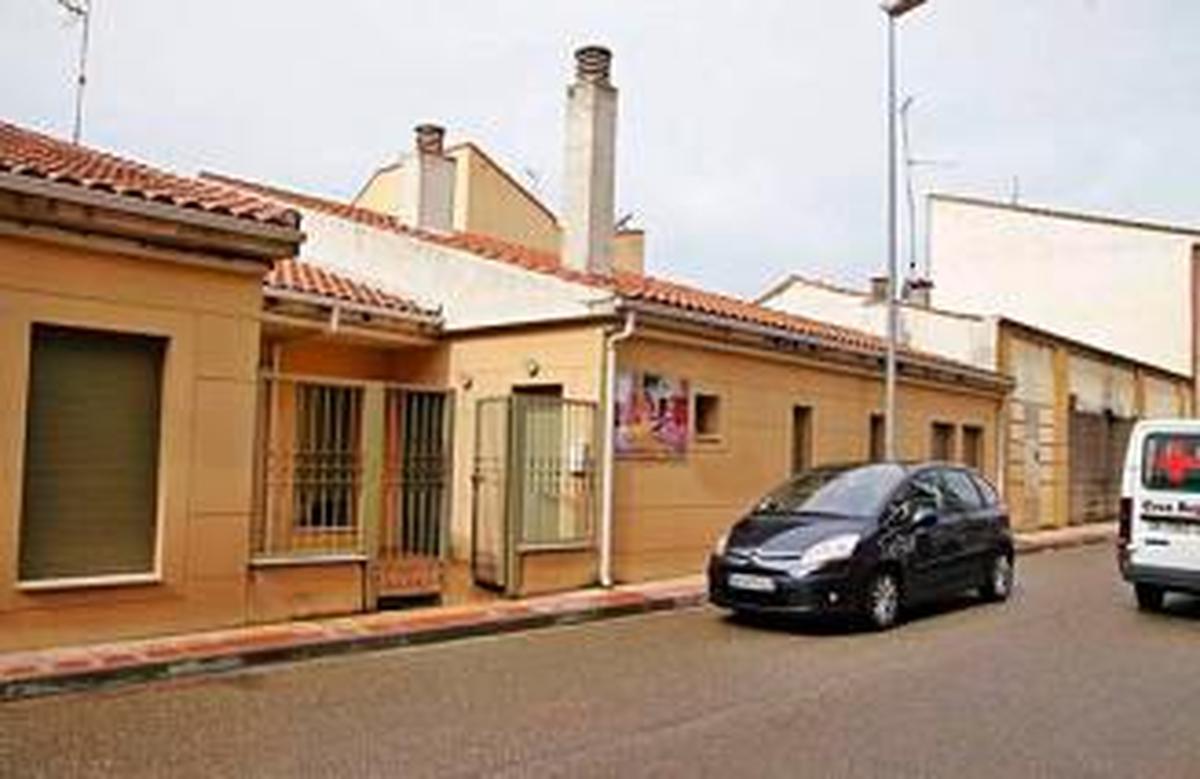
(122, 667)
(1052, 540)
(513, 619)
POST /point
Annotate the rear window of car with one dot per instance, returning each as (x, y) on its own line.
(1171, 462)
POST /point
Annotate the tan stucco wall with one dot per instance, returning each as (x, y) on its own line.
(331, 357)
(670, 511)
(211, 319)
(382, 192)
(490, 365)
(629, 252)
(1050, 376)
(487, 201)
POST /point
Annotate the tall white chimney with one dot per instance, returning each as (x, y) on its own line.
(590, 170)
(426, 184)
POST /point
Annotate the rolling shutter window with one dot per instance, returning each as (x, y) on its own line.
(91, 454)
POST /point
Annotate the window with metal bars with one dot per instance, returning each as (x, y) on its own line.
(327, 456)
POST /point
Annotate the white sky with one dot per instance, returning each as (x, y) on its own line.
(751, 133)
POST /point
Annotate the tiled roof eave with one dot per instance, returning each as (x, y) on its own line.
(671, 300)
(416, 317)
(52, 190)
(818, 343)
(52, 166)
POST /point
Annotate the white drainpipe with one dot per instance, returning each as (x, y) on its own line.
(608, 467)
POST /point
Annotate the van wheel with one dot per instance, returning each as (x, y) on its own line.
(1149, 597)
(998, 584)
(881, 606)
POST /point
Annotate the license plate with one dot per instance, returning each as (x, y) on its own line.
(748, 581)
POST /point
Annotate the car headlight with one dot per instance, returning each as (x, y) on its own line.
(830, 550)
(722, 543)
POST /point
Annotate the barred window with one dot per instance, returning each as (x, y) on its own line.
(327, 456)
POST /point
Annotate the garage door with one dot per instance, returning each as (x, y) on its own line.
(1097, 451)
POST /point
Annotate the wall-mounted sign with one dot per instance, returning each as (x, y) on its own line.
(652, 415)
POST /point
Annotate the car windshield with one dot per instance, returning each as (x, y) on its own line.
(835, 493)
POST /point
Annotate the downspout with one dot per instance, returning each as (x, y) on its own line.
(608, 466)
(335, 319)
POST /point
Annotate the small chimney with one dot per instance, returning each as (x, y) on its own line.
(431, 139)
(590, 170)
(426, 182)
(919, 292)
(879, 289)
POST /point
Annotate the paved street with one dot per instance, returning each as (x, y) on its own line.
(1065, 680)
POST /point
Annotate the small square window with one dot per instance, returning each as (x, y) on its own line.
(876, 445)
(972, 446)
(941, 445)
(708, 416)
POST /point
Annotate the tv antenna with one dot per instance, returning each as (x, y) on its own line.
(910, 163)
(80, 10)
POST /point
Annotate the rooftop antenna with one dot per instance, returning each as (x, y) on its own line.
(533, 177)
(1016, 190)
(80, 10)
(911, 162)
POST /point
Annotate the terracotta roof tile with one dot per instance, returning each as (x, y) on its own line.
(629, 286)
(24, 152)
(308, 279)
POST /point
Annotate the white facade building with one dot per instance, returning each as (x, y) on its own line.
(1120, 285)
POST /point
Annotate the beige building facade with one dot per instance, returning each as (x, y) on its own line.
(128, 355)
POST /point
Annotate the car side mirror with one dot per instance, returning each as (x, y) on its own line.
(924, 516)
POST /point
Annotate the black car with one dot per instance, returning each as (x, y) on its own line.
(867, 541)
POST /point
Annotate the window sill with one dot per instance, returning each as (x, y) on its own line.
(90, 582)
(564, 546)
(286, 561)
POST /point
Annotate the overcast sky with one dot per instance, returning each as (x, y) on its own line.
(751, 133)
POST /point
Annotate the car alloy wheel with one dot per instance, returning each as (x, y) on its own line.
(883, 601)
(1000, 579)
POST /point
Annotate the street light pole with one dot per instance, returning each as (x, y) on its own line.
(894, 10)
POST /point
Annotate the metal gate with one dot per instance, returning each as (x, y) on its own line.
(416, 474)
(355, 470)
(534, 483)
(1097, 453)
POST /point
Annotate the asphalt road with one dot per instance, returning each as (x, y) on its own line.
(1067, 679)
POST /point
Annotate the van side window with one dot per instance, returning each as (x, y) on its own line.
(1171, 461)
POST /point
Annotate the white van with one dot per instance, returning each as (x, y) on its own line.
(1159, 531)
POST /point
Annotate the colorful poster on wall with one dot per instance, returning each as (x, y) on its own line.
(652, 415)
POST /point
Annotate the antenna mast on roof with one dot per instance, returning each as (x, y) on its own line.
(911, 162)
(80, 9)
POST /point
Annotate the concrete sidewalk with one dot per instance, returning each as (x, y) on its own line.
(50, 671)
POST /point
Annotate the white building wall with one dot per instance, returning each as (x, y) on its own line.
(1122, 289)
(472, 291)
(967, 339)
(1099, 387)
(1162, 400)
